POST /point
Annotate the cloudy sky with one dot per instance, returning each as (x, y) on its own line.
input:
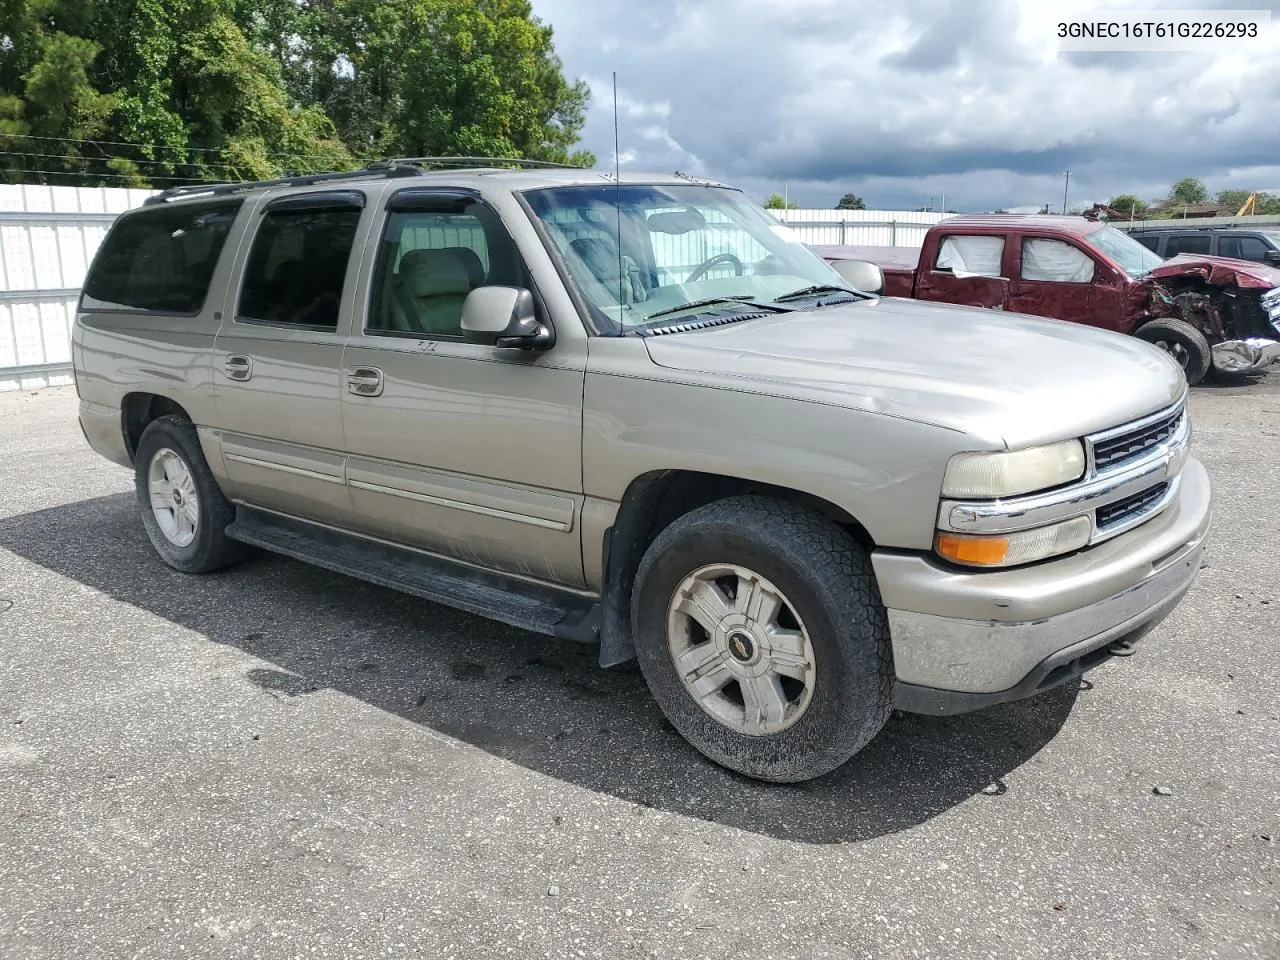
(902, 101)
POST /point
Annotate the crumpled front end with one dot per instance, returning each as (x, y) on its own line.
(1241, 322)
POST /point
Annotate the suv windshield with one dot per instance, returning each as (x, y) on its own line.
(681, 246)
(1129, 255)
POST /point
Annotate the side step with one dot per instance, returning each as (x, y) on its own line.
(529, 606)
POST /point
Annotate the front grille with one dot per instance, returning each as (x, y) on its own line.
(1121, 511)
(1126, 446)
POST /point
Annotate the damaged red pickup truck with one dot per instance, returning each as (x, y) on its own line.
(1207, 312)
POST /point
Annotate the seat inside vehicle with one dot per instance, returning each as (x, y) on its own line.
(430, 287)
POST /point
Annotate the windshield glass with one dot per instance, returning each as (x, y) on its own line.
(680, 245)
(1131, 256)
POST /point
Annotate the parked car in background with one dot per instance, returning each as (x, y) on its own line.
(1235, 243)
(640, 413)
(1207, 312)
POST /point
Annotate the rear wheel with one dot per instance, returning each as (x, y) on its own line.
(183, 511)
(760, 632)
(1183, 342)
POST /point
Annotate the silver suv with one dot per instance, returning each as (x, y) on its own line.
(639, 413)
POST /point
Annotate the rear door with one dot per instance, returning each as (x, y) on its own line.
(277, 363)
(967, 270)
(1194, 243)
(1055, 278)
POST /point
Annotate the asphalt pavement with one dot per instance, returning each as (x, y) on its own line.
(275, 761)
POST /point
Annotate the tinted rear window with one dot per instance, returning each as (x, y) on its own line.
(160, 259)
(297, 266)
(1187, 243)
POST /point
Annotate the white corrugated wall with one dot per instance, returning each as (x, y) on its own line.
(48, 235)
(860, 228)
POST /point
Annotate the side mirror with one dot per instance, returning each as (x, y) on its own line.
(504, 317)
(1272, 256)
(860, 275)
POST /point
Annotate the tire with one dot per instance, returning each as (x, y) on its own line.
(1183, 342)
(190, 539)
(824, 579)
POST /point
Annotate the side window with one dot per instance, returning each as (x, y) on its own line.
(435, 250)
(1149, 240)
(297, 265)
(1187, 243)
(1242, 248)
(1055, 262)
(971, 256)
(160, 259)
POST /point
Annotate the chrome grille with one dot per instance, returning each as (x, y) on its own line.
(1128, 445)
(1130, 508)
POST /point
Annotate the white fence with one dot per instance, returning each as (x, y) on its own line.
(860, 228)
(48, 235)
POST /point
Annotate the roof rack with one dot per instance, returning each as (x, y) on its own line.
(304, 180)
(389, 168)
(473, 162)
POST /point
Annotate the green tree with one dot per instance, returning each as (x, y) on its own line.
(482, 79)
(1128, 204)
(777, 201)
(1233, 200)
(1188, 190)
(235, 89)
(851, 201)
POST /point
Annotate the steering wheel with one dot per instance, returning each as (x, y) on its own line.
(707, 264)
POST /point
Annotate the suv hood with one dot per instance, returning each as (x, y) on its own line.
(1004, 377)
(1219, 272)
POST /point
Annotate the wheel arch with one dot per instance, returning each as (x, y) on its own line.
(138, 410)
(654, 500)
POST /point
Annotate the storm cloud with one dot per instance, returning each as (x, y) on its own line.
(902, 101)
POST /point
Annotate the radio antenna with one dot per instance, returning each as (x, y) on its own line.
(617, 193)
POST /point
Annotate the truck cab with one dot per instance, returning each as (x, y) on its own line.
(1207, 312)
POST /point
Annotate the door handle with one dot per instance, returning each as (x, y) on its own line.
(365, 381)
(238, 368)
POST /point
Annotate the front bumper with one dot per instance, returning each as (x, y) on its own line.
(1245, 356)
(964, 639)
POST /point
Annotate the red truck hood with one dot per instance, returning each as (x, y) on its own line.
(1219, 272)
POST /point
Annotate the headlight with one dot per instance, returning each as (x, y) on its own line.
(1009, 549)
(972, 476)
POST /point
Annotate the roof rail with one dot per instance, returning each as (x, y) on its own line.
(391, 167)
(303, 180)
(473, 162)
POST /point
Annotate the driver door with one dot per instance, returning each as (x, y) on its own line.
(458, 448)
(1054, 279)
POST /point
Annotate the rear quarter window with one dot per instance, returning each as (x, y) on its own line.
(160, 260)
(1187, 243)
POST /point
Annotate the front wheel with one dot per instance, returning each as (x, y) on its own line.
(1183, 342)
(761, 634)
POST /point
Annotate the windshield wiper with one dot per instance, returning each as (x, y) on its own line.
(746, 301)
(815, 289)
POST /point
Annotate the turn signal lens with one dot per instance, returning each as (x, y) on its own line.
(988, 551)
(1010, 549)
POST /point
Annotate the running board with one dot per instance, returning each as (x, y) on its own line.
(509, 600)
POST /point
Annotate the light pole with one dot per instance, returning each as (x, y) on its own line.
(1064, 192)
